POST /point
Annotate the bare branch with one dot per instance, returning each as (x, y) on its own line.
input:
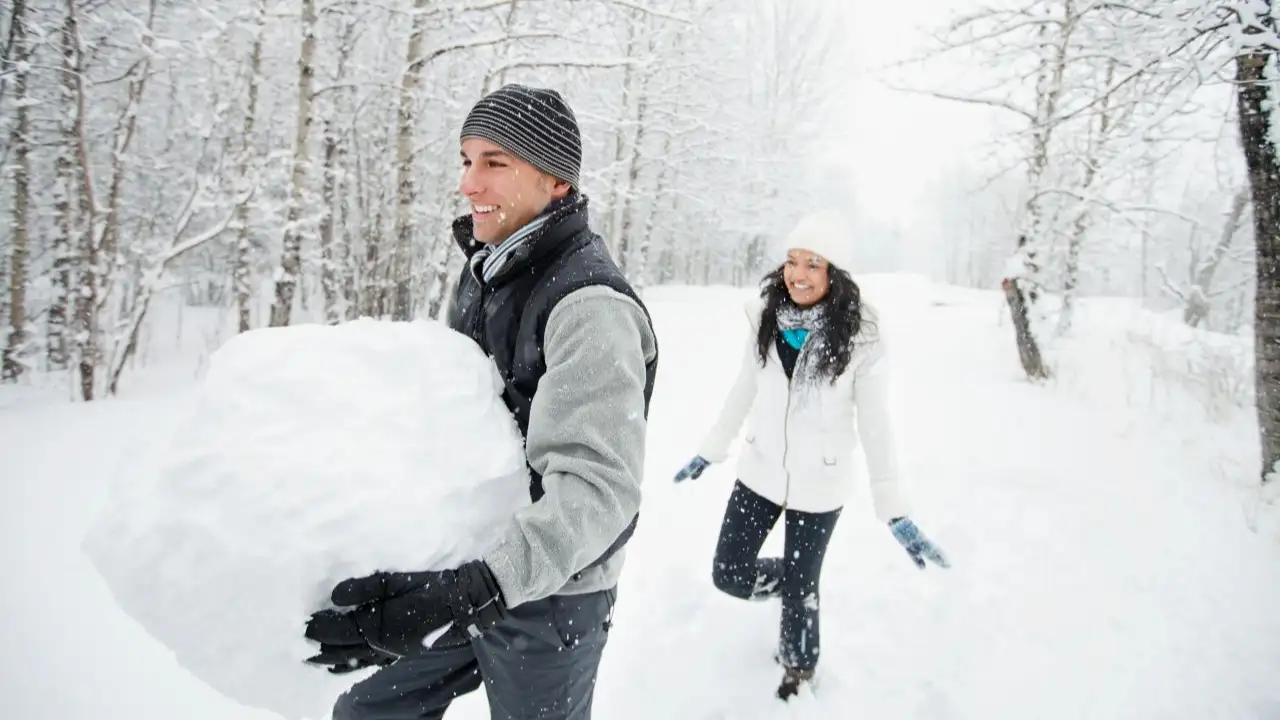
(1244, 282)
(1139, 72)
(600, 64)
(474, 43)
(352, 86)
(1167, 284)
(1117, 207)
(648, 10)
(180, 248)
(989, 102)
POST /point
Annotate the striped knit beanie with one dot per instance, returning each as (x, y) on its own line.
(533, 124)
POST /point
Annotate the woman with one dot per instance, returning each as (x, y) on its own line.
(813, 360)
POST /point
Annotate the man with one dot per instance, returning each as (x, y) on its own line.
(575, 346)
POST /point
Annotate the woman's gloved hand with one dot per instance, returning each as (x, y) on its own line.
(916, 544)
(693, 469)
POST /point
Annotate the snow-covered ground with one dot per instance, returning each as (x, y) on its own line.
(1104, 565)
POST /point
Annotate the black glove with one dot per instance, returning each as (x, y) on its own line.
(394, 612)
(349, 658)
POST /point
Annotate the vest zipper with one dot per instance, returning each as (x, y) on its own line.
(477, 323)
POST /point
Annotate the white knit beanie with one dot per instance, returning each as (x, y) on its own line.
(824, 233)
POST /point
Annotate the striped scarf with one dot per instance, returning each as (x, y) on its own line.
(490, 259)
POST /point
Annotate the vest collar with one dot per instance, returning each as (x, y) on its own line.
(567, 217)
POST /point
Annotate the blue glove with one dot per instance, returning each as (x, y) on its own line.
(917, 545)
(693, 469)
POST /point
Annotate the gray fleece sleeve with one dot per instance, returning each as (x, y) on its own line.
(587, 439)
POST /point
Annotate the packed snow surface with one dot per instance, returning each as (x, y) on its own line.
(1106, 562)
(310, 454)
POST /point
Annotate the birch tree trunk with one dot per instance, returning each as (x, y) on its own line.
(406, 187)
(348, 194)
(12, 363)
(109, 247)
(644, 269)
(346, 255)
(329, 284)
(1080, 227)
(634, 250)
(85, 321)
(1256, 97)
(338, 281)
(291, 253)
(1021, 290)
(241, 268)
(614, 236)
(350, 298)
(374, 297)
(64, 190)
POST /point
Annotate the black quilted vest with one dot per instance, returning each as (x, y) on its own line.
(508, 315)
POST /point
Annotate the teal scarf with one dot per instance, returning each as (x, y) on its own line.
(795, 337)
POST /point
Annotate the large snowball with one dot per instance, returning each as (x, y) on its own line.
(311, 454)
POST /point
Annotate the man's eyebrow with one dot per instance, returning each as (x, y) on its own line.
(488, 154)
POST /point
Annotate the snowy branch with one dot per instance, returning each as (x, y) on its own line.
(180, 248)
(1118, 208)
(532, 64)
(1167, 284)
(647, 9)
(474, 43)
(989, 102)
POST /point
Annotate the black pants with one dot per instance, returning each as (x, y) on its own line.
(739, 571)
(540, 663)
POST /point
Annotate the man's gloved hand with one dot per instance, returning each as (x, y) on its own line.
(349, 658)
(393, 613)
(693, 469)
(917, 545)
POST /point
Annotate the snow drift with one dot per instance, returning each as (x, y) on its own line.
(311, 454)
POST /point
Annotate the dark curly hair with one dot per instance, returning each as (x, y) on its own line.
(844, 318)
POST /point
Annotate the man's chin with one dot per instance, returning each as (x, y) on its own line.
(492, 238)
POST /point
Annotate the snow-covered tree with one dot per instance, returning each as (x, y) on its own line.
(1090, 90)
(296, 160)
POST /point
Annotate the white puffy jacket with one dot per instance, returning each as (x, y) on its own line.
(800, 455)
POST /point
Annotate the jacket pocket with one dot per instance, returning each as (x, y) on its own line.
(837, 445)
(829, 439)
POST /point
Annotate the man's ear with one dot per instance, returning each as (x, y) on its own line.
(560, 189)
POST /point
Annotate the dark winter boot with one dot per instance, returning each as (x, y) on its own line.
(792, 679)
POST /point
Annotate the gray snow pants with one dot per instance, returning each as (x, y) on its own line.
(540, 663)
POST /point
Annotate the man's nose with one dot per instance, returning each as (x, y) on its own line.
(467, 184)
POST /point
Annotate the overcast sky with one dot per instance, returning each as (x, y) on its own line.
(899, 141)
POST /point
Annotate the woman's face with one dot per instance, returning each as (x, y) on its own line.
(806, 276)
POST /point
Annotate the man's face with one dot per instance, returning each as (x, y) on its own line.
(505, 192)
